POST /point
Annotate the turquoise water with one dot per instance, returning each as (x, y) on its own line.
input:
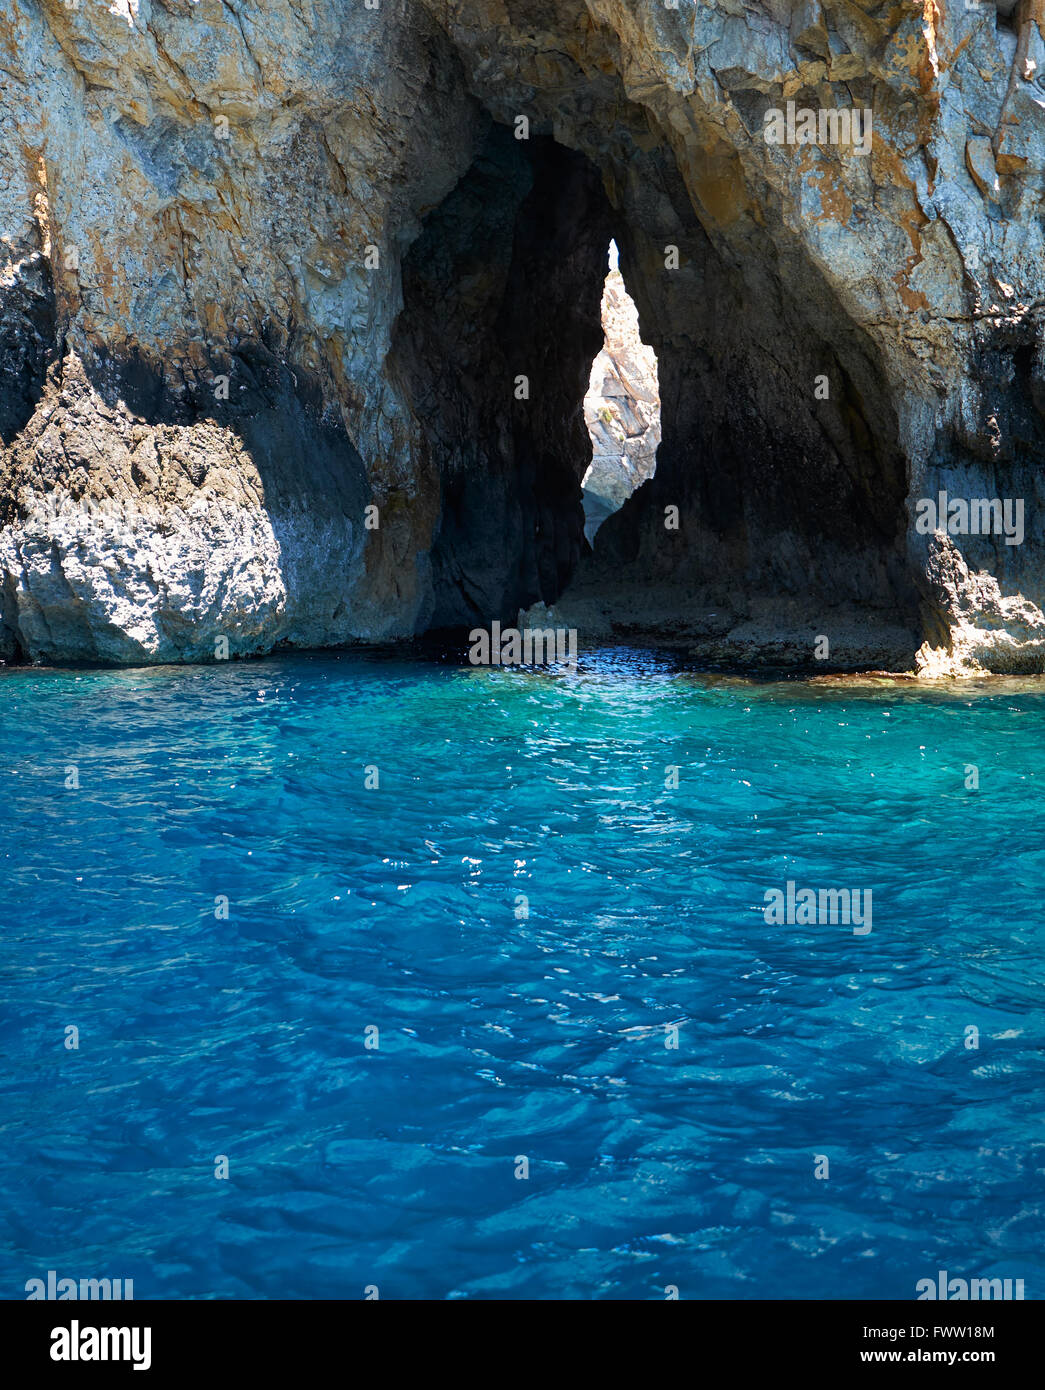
(503, 1036)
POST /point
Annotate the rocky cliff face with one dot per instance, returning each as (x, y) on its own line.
(621, 409)
(296, 327)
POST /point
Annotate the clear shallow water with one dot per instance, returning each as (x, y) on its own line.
(501, 1037)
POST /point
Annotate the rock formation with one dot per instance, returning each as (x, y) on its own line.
(621, 409)
(298, 302)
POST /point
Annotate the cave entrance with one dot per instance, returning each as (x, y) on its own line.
(493, 350)
(777, 509)
(621, 407)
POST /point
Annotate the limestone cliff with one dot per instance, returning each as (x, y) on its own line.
(295, 326)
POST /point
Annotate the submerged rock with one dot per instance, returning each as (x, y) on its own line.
(298, 306)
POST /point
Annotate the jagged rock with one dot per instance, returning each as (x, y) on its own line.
(325, 207)
(621, 409)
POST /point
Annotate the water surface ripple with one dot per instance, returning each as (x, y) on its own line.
(504, 1035)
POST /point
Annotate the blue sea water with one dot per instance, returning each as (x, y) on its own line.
(502, 1036)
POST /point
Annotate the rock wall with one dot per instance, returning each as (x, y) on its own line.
(271, 275)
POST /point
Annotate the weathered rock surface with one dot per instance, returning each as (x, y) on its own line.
(621, 409)
(324, 209)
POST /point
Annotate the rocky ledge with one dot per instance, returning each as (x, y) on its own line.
(299, 301)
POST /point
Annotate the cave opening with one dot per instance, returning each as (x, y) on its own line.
(494, 345)
(742, 471)
(621, 407)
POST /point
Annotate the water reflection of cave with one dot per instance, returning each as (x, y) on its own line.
(621, 408)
